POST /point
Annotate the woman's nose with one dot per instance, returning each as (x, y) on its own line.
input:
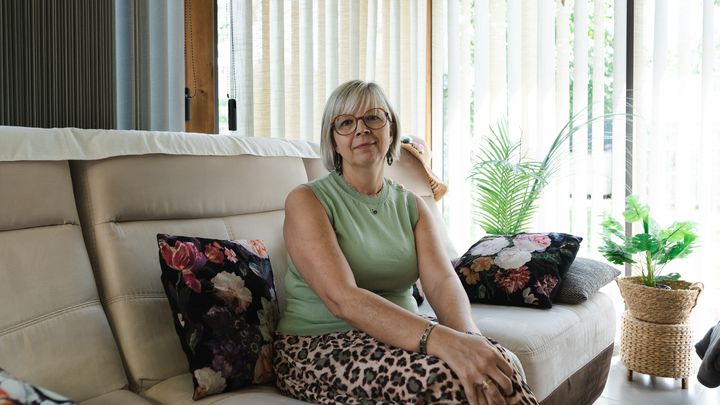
(361, 129)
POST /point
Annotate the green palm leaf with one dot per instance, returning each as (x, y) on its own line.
(506, 188)
(501, 186)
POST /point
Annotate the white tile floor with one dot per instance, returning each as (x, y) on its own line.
(645, 389)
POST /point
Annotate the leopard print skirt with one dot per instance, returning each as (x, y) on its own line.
(355, 368)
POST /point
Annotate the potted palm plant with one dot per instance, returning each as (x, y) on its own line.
(507, 185)
(651, 296)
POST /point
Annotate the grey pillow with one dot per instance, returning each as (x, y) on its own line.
(583, 279)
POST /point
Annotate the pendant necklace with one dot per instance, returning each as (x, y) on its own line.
(373, 210)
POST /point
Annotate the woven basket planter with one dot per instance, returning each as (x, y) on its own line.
(656, 349)
(656, 305)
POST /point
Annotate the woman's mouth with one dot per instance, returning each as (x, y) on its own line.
(364, 145)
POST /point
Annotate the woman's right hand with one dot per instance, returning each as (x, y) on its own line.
(482, 370)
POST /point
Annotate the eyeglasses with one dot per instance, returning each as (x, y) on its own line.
(374, 118)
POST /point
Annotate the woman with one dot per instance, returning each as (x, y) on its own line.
(357, 242)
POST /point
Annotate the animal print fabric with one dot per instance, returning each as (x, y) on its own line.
(355, 368)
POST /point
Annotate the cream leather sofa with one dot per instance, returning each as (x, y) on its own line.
(82, 309)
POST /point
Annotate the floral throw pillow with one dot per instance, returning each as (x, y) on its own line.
(521, 270)
(225, 310)
(14, 391)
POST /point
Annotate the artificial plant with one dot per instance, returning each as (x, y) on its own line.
(655, 246)
(506, 186)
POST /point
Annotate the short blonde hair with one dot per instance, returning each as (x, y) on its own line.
(352, 96)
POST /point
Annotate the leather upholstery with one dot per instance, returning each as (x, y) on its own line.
(128, 200)
(53, 330)
(87, 315)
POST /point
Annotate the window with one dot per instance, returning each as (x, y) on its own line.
(532, 62)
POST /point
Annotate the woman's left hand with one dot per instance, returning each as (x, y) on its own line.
(482, 370)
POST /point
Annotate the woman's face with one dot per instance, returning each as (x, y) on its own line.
(366, 144)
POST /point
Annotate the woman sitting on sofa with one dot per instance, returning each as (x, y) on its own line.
(357, 242)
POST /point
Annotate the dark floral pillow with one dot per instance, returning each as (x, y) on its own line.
(418, 293)
(520, 270)
(225, 309)
(15, 391)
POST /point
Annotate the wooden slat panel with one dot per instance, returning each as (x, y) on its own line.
(57, 63)
(199, 67)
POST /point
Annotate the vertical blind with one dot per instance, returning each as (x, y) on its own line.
(677, 99)
(280, 60)
(534, 63)
(57, 64)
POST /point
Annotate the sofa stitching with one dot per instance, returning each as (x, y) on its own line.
(132, 296)
(49, 315)
(228, 229)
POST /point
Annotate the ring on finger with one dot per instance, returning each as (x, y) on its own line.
(486, 383)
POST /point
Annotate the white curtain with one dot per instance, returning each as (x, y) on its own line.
(529, 65)
(532, 62)
(677, 97)
(149, 65)
(280, 59)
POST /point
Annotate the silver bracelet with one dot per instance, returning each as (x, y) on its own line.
(424, 336)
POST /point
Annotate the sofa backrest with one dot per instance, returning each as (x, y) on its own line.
(131, 185)
(53, 330)
(126, 201)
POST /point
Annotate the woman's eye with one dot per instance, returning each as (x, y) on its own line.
(346, 123)
(372, 118)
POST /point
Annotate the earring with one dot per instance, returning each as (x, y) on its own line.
(389, 159)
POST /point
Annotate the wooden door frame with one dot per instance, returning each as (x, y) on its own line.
(201, 65)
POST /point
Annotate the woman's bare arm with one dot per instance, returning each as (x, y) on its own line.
(442, 287)
(315, 252)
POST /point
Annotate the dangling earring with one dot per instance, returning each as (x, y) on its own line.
(338, 163)
(389, 159)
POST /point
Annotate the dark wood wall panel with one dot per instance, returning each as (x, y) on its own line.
(57, 63)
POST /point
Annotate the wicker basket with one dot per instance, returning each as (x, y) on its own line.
(656, 305)
(656, 349)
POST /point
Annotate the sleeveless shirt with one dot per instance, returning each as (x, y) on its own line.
(376, 235)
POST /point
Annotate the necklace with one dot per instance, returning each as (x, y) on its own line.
(367, 198)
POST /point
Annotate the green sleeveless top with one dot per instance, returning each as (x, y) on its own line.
(376, 235)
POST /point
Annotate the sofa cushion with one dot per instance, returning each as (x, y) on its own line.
(551, 345)
(119, 397)
(584, 278)
(522, 270)
(224, 307)
(16, 391)
(28, 185)
(228, 197)
(178, 391)
(49, 301)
